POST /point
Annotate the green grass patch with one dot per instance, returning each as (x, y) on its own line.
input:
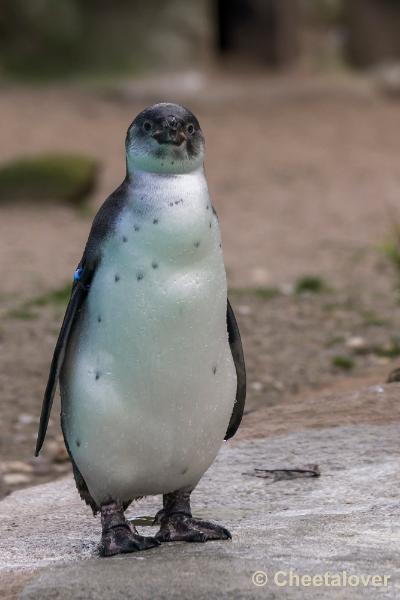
(311, 284)
(370, 318)
(22, 313)
(391, 350)
(391, 249)
(57, 298)
(64, 178)
(344, 362)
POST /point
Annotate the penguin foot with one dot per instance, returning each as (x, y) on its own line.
(118, 537)
(159, 516)
(121, 540)
(180, 527)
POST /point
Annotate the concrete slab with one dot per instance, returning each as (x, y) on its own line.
(348, 520)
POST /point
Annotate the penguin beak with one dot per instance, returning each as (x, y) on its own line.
(170, 135)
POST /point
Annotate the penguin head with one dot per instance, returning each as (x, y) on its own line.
(165, 138)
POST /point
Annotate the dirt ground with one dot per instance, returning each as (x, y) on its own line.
(305, 178)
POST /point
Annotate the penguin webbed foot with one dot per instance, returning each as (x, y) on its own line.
(118, 537)
(121, 540)
(180, 527)
(158, 518)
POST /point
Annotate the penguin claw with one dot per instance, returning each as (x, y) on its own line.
(182, 528)
(159, 516)
(121, 540)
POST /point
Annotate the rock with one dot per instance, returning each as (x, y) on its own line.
(260, 276)
(15, 466)
(16, 479)
(26, 419)
(357, 343)
(244, 310)
(344, 520)
(54, 177)
(394, 376)
(376, 389)
(257, 386)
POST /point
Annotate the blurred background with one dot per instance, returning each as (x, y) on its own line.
(300, 104)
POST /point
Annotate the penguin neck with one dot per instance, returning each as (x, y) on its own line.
(141, 181)
(149, 191)
(133, 173)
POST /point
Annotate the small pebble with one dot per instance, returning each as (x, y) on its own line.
(244, 310)
(260, 276)
(257, 386)
(356, 343)
(26, 419)
(15, 466)
(16, 479)
(376, 389)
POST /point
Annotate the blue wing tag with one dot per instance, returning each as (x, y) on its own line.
(78, 273)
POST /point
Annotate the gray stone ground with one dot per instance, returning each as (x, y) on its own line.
(346, 520)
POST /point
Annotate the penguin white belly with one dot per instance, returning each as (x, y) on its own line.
(148, 384)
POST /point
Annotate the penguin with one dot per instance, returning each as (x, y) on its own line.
(149, 357)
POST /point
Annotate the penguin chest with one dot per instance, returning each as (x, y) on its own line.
(150, 382)
(160, 290)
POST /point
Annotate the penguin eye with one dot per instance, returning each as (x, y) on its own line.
(147, 126)
(190, 128)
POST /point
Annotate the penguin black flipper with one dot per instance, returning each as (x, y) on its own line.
(78, 295)
(235, 344)
(101, 227)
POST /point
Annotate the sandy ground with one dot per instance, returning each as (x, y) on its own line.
(305, 178)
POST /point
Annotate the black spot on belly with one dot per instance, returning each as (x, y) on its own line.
(209, 224)
(171, 203)
(184, 471)
(196, 244)
(155, 221)
(139, 275)
(136, 227)
(116, 278)
(99, 319)
(78, 443)
(154, 264)
(214, 369)
(124, 239)
(220, 245)
(208, 207)
(172, 162)
(97, 376)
